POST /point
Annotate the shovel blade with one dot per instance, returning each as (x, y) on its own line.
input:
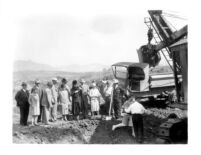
(108, 118)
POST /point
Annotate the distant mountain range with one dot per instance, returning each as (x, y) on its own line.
(22, 65)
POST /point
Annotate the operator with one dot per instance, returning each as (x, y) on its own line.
(150, 35)
(136, 110)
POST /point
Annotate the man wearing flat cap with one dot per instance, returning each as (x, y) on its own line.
(22, 97)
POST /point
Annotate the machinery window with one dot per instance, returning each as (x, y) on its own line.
(121, 72)
(136, 73)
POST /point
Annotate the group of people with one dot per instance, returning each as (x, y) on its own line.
(42, 103)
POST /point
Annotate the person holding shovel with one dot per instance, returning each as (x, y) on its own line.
(137, 110)
(127, 117)
(107, 95)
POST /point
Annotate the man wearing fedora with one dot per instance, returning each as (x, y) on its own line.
(22, 97)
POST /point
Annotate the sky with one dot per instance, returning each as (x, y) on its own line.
(62, 33)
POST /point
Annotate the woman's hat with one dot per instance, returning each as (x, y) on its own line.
(82, 81)
(64, 80)
(49, 83)
(37, 82)
(54, 79)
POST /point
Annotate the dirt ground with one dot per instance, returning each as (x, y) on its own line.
(88, 131)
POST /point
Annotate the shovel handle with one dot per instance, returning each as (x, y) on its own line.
(111, 99)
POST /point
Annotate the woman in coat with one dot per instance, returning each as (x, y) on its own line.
(94, 95)
(34, 105)
(76, 94)
(64, 101)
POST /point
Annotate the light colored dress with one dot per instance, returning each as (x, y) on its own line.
(34, 104)
(94, 95)
(64, 100)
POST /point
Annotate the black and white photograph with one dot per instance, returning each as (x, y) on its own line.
(92, 72)
(67, 91)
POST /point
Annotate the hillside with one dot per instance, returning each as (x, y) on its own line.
(28, 65)
(21, 65)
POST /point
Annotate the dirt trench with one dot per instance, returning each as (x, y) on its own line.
(89, 131)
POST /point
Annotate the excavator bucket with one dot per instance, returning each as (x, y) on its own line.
(147, 54)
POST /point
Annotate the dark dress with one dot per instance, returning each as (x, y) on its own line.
(76, 94)
(22, 102)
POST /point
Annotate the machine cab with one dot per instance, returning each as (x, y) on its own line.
(132, 76)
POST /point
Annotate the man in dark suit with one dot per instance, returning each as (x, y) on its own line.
(22, 97)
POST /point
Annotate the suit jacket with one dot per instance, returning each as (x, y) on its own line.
(22, 98)
(47, 98)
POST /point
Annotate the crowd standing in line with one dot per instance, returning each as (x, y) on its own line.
(42, 103)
